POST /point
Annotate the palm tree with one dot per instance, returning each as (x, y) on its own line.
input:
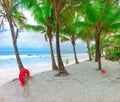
(59, 6)
(69, 31)
(73, 30)
(73, 40)
(101, 16)
(86, 35)
(10, 13)
(43, 14)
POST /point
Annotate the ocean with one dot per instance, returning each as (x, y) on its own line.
(35, 56)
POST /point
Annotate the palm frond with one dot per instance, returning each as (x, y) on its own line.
(33, 27)
(115, 26)
(42, 13)
(19, 17)
(46, 37)
(83, 24)
(64, 39)
(111, 13)
(90, 11)
(68, 15)
(117, 36)
(27, 4)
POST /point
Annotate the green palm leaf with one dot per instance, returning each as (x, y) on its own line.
(34, 27)
(64, 39)
(115, 26)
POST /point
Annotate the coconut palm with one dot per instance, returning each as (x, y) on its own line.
(69, 31)
(44, 16)
(86, 35)
(101, 16)
(10, 13)
(71, 38)
(59, 6)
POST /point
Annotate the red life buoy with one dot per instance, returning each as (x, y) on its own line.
(22, 74)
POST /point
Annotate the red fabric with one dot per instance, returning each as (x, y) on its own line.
(21, 75)
(103, 71)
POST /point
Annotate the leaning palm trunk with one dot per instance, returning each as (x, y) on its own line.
(20, 65)
(75, 55)
(49, 34)
(62, 70)
(88, 47)
(58, 6)
(54, 66)
(59, 58)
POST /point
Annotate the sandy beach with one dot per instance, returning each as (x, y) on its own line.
(84, 84)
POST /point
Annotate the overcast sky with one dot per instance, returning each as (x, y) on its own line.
(31, 39)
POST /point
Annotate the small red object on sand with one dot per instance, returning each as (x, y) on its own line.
(103, 71)
(22, 74)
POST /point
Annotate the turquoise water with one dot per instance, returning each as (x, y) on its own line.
(33, 56)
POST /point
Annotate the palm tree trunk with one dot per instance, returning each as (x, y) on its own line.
(98, 51)
(20, 65)
(60, 62)
(54, 66)
(62, 70)
(88, 47)
(75, 55)
(57, 10)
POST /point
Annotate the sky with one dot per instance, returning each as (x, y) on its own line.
(31, 39)
(25, 39)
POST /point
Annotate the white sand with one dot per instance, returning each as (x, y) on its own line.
(84, 84)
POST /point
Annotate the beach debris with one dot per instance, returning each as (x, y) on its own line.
(103, 71)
